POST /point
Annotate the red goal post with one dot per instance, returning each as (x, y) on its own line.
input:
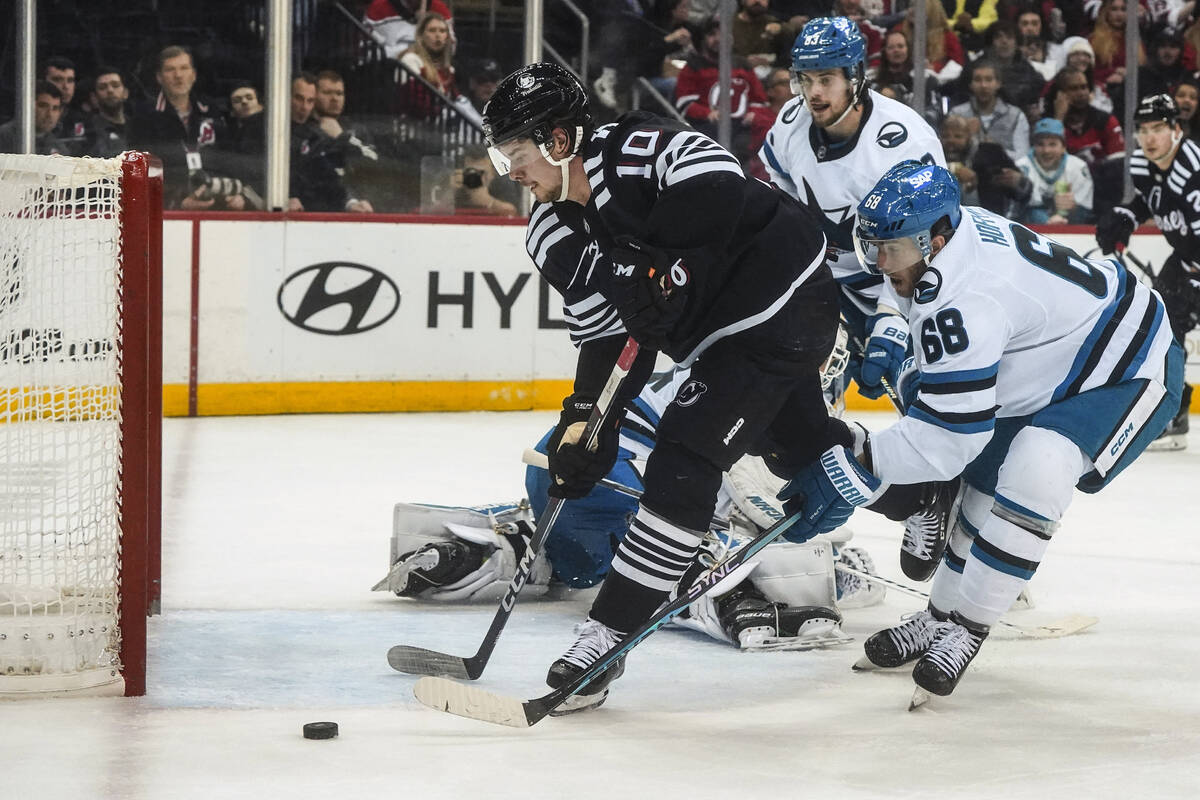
(80, 421)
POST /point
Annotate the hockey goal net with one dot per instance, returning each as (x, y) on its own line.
(80, 421)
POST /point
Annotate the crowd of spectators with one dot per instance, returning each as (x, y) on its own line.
(1027, 95)
(213, 148)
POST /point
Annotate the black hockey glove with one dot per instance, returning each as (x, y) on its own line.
(574, 469)
(649, 290)
(1114, 229)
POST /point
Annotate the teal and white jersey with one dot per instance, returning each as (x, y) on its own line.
(1006, 322)
(832, 178)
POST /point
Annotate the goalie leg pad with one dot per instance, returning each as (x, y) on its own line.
(496, 537)
(797, 574)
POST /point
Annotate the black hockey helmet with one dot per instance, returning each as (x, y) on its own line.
(1156, 108)
(532, 102)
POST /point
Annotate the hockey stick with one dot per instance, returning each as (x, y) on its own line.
(446, 695)
(1052, 630)
(1062, 627)
(420, 661)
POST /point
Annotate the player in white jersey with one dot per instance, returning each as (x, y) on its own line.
(1039, 372)
(827, 148)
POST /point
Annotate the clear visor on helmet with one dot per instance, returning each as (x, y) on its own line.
(513, 154)
(884, 256)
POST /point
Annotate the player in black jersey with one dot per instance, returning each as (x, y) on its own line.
(649, 228)
(1166, 180)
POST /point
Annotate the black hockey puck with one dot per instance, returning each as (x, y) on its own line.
(320, 730)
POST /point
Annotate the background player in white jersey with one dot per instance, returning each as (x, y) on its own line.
(1039, 372)
(1166, 182)
(718, 272)
(827, 148)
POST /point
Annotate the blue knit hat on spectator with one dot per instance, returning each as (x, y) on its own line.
(1048, 127)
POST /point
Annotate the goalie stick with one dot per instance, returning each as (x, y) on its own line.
(420, 661)
(1066, 626)
(446, 695)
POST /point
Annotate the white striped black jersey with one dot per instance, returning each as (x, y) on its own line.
(1172, 197)
(746, 246)
(1006, 322)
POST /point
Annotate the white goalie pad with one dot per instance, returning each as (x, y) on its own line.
(797, 574)
(493, 528)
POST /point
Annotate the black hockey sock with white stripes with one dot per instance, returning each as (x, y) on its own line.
(648, 563)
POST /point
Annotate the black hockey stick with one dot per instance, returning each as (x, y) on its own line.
(1062, 627)
(442, 694)
(420, 661)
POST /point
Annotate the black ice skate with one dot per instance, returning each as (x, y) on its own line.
(927, 531)
(895, 647)
(594, 639)
(755, 623)
(942, 666)
(1176, 435)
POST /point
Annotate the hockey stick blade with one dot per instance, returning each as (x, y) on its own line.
(442, 694)
(419, 661)
(1067, 626)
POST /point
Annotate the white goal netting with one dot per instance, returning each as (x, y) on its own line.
(60, 423)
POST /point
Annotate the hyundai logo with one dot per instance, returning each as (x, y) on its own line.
(338, 298)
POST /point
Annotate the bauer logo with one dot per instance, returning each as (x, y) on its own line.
(337, 298)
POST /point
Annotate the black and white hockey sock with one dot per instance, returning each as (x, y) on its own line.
(648, 563)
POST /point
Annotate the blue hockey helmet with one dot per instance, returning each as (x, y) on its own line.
(831, 43)
(899, 214)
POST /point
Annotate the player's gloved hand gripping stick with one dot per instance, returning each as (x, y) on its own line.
(418, 660)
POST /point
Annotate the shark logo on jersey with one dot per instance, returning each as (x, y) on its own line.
(690, 393)
(839, 230)
(928, 286)
(891, 135)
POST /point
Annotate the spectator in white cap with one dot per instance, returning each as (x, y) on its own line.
(1062, 183)
(1079, 54)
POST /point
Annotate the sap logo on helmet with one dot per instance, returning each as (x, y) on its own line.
(525, 82)
(892, 135)
(928, 286)
(920, 179)
(690, 393)
(338, 298)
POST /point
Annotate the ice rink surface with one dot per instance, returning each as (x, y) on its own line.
(275, 528)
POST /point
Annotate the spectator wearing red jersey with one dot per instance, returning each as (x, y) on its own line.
(944, 55)
(697, 88)
(429, 57)
(1108, 42)
(393, 23)
(1092, 134)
